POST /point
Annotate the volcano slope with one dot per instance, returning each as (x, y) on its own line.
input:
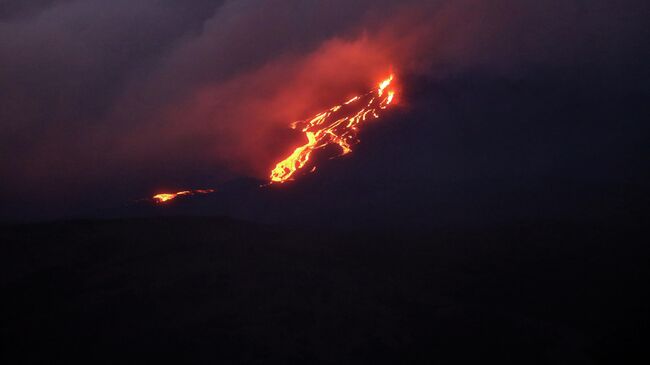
(216, 289)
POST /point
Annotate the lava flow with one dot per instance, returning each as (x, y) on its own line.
(165, 197)
(337, 125)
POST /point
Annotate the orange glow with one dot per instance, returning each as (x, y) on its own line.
(165, 197)
(337, 125)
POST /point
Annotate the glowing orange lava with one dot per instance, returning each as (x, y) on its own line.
(337, 125)
(165, 197)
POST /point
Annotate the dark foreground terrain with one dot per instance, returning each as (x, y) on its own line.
(215, 290)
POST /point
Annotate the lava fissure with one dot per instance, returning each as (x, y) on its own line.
(165, 197)
(338, 125)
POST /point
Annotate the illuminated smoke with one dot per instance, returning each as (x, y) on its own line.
(339, 125)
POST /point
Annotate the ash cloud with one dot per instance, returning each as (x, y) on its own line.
(114, 99)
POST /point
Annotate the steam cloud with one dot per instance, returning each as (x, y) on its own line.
(121, 96)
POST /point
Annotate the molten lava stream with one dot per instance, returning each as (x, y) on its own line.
(338, 125)
(165, 197)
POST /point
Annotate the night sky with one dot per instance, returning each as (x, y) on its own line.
(103, 103)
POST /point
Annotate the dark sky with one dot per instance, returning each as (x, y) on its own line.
(103, 102)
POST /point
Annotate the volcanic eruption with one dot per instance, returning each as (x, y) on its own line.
(165, 197)
(338, 125)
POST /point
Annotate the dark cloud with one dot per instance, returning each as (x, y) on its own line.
(111, 99)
